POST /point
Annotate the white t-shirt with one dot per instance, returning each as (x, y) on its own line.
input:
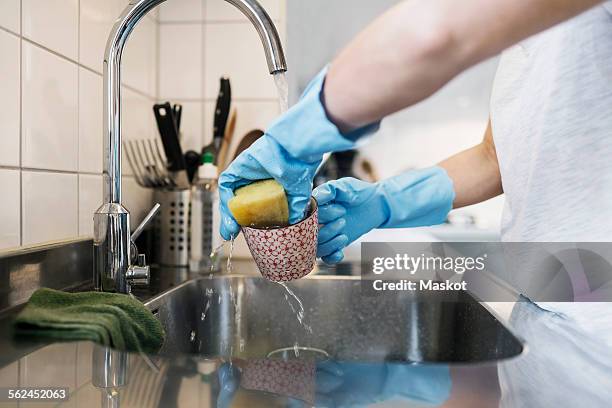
(551, 115)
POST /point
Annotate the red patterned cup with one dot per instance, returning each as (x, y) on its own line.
(285, 253)
(289, 378)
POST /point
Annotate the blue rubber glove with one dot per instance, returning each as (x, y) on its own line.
(289, 152)
(348, 208)
(229, 381)
(364, 384)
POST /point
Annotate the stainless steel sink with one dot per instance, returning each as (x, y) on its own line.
(249, 317)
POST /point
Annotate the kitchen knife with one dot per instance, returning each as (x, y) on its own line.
(166, 124)
(222, 110)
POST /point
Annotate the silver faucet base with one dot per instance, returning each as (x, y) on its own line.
(111, 248)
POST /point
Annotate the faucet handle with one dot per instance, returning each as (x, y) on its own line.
(146, 220)
(138, 275)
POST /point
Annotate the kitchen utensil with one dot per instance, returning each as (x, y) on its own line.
(222, 110)
(166, 123)
(177, 110)
(247, 140)
(134, 164)
(159, 162)
(148, 172)
(192, 162)
(285, 253)
(223, 158)
(171, 227)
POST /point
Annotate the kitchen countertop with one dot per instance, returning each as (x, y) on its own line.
(191, 381)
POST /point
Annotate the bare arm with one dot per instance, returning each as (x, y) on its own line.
(416, 47)
(475, 172)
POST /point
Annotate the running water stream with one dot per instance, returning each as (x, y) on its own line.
(282, 87)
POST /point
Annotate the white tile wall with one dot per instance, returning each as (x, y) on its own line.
(49, 109)
(220, 10)
(53, 138)
(182, 11)
(10, 15)
(9, 219)
(49, 206)
(9, 104)
(96, 19)
(140, 57)
(136, 199)
(234, 50)
(51, 114)
(90, 121)
(180, 61)
(137, 115)
(193, 133)
(52, 23)
(90, 198)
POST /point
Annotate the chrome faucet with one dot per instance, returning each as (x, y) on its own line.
(114, 259)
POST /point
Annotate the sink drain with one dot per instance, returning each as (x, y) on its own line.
(299, 352)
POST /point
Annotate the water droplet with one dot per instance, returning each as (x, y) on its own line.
(192, 336)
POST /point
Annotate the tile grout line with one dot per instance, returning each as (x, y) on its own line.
(20, 124)
(213, 22)
(55, 171)
(78, 152)
(9, 31)
(65, 58)
(203, 139)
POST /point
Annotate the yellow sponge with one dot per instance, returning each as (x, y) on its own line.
(260, 204)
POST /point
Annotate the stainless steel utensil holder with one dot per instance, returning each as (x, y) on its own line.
(172, 228)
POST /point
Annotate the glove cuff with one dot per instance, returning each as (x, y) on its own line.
(418, 198)
(305, 130)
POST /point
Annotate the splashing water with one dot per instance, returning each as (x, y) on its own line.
(229, 256)
(299, 311)
(282, 87)
(203, 316)
(214, 254)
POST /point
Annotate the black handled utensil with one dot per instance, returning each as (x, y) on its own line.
(222, 111)
(177, 110)
(167, 126)
(192, 163)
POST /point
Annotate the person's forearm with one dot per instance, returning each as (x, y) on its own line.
(416, 47)
(475, 173)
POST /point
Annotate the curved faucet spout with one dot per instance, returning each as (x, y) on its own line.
(111, 220)
(267, 33)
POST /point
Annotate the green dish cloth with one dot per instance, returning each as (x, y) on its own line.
(111, 319)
